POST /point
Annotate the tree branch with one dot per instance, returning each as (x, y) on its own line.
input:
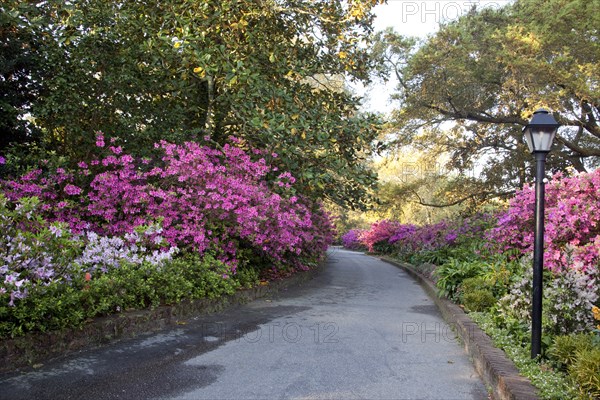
(582, 152)
(471, 116)
(484, 195)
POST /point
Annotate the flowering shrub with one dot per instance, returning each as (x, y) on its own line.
(103, 237)
(102, 253)
(351, 239)
(36, 253)
(408, 239)
(32, 251)
(321, 236)
(404, 233)
(432, 237)
(568, 297)
(379, 232)
(572, 229)
(53, 279)
(63, 303)
(209, 200)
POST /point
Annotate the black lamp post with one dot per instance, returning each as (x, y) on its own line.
(539, 134)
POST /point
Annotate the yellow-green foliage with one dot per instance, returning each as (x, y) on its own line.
(580, 356)
(585, 371)
(565, 348)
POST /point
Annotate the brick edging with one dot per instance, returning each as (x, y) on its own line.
(497, 371)
(36, 348)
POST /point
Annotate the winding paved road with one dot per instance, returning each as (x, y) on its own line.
(362, 329)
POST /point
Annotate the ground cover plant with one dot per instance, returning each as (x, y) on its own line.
(484, 263)
(121, 232)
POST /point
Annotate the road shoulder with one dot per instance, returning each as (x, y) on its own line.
(497, 371)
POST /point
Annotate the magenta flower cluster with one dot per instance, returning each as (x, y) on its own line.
(218, 200)
(409, 238)
(380, 231)
(351, 239)
(572, 222)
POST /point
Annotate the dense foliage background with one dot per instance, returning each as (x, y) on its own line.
(270, 73)
(464, 94)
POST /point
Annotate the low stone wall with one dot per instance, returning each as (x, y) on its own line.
(35, 348)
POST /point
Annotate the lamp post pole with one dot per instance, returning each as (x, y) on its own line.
(539, 134)
(538, 256)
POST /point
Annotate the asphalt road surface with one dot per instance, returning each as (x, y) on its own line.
(362, 329)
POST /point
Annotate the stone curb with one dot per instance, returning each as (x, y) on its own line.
(497, 371)
(37, 348)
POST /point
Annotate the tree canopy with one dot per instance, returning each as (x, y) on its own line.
(468, 90)
(263, 71)
(17, 91)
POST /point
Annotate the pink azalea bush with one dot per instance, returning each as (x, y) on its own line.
(379, 232)
(118, 232)
(427, 237)
(222, 201)
(405, 232)
(351, 239)
(408, 239)
(572, 222)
